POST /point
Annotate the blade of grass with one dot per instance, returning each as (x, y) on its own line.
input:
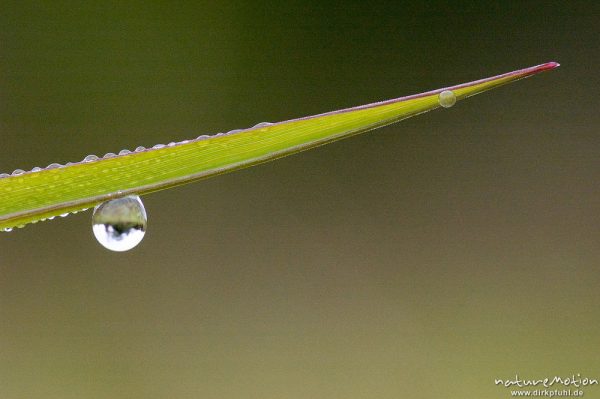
(37, 195)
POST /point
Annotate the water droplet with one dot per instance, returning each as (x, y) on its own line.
(158, 146)
(4, 175)
(120, 224)
(124, 152)
(447, 98)
(140, 149)
(110, 155)
(90, 158)
(54, 166)
(36, 169)
(17, 172)
(8, 229)
(262, 124)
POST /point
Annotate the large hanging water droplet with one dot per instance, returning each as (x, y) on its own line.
(447, 98)
(120, 224)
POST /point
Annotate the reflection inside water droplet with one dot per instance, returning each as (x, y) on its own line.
(447, 98)
(120, 224)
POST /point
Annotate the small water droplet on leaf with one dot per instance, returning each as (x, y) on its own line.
(447, 98)
(120, 224)
(90, 158)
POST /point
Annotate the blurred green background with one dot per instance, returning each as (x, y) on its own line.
(421, 260)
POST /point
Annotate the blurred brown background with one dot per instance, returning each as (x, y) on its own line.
(421, 260)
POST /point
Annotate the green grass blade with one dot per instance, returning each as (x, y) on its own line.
(37, 195)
